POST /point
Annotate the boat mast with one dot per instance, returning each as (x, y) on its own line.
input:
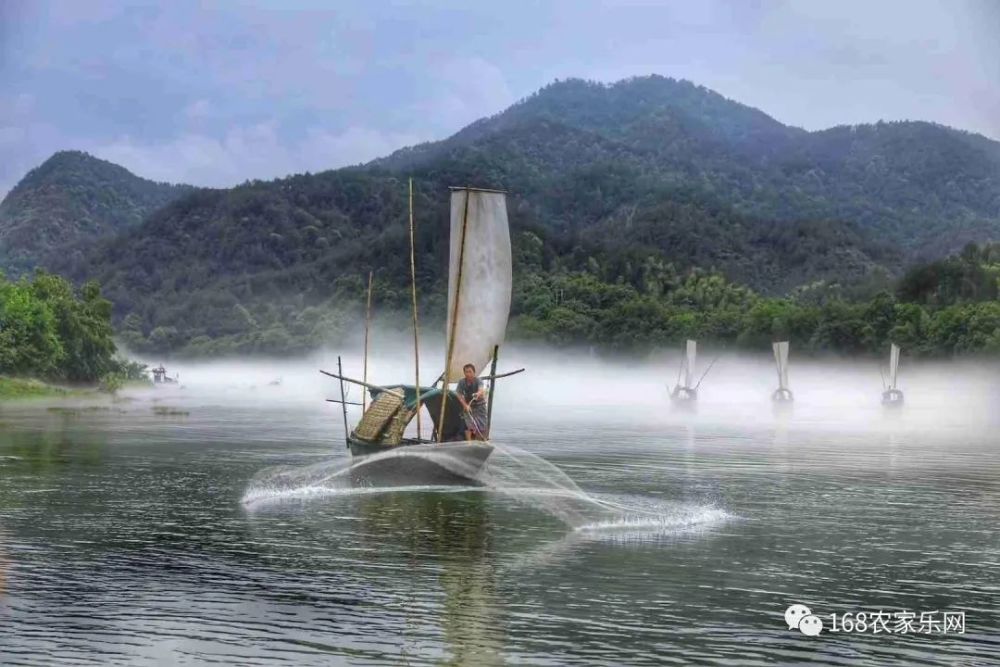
(454, 316)
(689, 361)
(781, 357)
(893, 365)
(416, 330)
(368, 320)
(680, 372)
(493, 383)
(343, 403)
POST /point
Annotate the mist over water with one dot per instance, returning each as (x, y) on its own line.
(221, 519)
(839, 394)
(564, 391)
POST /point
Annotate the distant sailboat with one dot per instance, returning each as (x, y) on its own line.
(687, 392)
(782, 394)
(479, 295)
(160, 376)
(892, 396)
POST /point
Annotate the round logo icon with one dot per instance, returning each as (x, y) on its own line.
(811, 625)
(794, 615)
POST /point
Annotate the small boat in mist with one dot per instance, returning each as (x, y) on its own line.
(782, 394)
(892, 397)
(685, 391)
(479, 294)
(160, 376)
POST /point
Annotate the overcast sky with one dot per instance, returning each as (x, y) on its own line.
(217, 94)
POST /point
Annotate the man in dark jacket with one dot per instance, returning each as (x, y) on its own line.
(472, 395)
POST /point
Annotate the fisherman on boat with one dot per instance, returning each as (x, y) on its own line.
(471, 394)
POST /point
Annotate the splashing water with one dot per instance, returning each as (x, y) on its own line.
(520, 475)
(412, 468)
(530, 479)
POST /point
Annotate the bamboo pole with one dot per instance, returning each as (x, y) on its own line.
(493, 382)
(502, 375)
(454, 317)
(416, 328)
(368, 321)
(343, 403)
(363, 384)
(333, 400)
(706, 372)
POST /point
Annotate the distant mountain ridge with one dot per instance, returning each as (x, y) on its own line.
(924, 187)
(68, 202)
(601, 109)
(634, 183)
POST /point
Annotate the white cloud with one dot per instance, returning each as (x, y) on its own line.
(11, 135)
(248, 152)
(462, 91)
(23, 104)
(353, 146)
(354, 82)
(199, 109)
(24, 141)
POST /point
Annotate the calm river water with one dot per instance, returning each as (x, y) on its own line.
(144, 531)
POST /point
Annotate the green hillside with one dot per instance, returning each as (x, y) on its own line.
(69, 201)
(925, 188)
(606, 182)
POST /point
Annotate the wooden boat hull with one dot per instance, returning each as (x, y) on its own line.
(782, 396)
(685, 398)
(418, 464)
(892, 398)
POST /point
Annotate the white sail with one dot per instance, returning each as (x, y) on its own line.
(893, 365)
(781, 358)
(479, 274)
(689, 363)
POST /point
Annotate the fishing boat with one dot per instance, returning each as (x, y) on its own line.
(782, 394)
(160, 376)
(479, 294)
(686, 394)
(892, 397)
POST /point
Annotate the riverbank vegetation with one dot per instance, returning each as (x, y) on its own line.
(51, 332)
(12, 388)
(625, 300)
(944, 308)
(633, 301)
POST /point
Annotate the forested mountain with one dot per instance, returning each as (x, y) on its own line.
(617, 193)
(283, 262)
(925, 188)
(69, 201)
